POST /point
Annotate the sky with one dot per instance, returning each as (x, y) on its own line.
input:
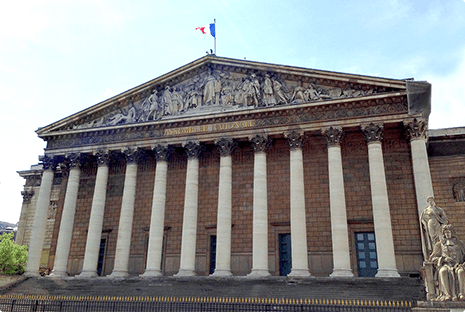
(58, 57)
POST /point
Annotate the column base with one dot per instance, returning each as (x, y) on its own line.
(31, 274)
(342, 273)
(118, 274)
(221, 272)
(58, 274)
(387, 273)
(299, 273)
(87, 274)
(259, 273)
(184, 272)
(151, 273)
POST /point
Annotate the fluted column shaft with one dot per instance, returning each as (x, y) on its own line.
(299, 249)
(260, 208)
(123, 243)
(36, 243)
(189, 223)
(157, 220)
(94, 234)
(67, 218)
(223, 228)
(379, 197)
(337, 203)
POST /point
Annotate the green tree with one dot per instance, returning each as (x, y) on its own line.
(13, 257)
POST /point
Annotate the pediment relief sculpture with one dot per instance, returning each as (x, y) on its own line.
(217, 90)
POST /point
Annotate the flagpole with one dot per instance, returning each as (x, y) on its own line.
(214, 41)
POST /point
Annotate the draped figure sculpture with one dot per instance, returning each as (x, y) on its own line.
(447, 258)
(432, 218)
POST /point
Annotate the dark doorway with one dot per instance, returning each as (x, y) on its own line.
(212, 254)
(367, 260)
(285, 256)
(101, 256)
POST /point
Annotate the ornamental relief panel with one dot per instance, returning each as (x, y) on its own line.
(216, 90)
(309, 114)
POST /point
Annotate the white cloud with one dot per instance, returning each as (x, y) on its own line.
(448, 99)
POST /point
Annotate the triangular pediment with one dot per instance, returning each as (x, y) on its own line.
(213, 85)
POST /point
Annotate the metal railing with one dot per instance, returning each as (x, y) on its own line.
(14, 303)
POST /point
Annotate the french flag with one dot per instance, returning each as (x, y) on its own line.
(207, 30)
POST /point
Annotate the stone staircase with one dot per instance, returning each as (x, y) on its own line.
(374, 289)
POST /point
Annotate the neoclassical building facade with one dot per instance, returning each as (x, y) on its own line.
(230, 167)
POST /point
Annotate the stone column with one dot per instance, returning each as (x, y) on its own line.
(157, 220)
(417, 131)
(36, 243)
(189, 222)
(123, 242)
(223, 227)
(260, 208)
(94, 234)
(67, 217)
(337, 203)
(379, 197)
(298, 219)
(27, 196)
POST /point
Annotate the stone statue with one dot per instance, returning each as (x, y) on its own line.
(209, 89)
(447, 258)
(268, 96)
(298, 95)
(167, 101)
(281, 97)
(121, 118)
(432, 218)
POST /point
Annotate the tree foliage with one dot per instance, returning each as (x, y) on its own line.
(13, 257)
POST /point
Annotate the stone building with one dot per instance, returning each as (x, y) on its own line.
(233, 167)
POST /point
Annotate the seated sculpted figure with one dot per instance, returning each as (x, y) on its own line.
(448, 259)
(432, 218)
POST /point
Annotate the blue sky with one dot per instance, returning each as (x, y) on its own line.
(58, 57)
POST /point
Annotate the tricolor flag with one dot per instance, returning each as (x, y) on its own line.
(207, 30)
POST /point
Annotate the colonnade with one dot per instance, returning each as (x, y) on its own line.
(260, 142)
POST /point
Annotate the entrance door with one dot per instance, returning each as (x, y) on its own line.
(367, 260)
(101, 256)
(212, 254)
(285, 256)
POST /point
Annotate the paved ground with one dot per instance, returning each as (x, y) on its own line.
(396, 289)
(9, 280)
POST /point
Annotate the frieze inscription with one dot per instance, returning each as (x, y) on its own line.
(211, 128)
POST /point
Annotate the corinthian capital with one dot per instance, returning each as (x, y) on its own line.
(295, 139)
(226, 146)
(47, 162)
(260, 142)
(162, 152)
(73, 160)
(416, 129)
(132, 155)
(193, 149)
(103, 157)
(333, 135)
(373, 132)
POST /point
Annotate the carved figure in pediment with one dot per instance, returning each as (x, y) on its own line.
(268, 94)
(121, 118)
(248, 92)
(298, 94)
(281, 97)
(432, 218)
(311, 94)
(227, 98)
(167, 101)
(448, 259)
(209, 89)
